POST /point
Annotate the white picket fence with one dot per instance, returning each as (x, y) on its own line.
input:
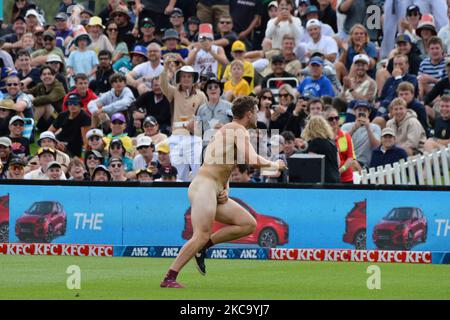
(429, 169)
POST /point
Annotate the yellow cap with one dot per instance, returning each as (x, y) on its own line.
(163, 147)
(238, 45)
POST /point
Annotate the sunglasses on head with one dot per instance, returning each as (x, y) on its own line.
(204, 39)
(331, 119)
(148, 125)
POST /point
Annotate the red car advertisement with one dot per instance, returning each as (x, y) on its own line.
(401, 229)
(355, 226)
(43, 221)
(4, 219)
(270, 231)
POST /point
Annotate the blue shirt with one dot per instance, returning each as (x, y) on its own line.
(82, 61)
(380, 158)
(317, 88)
(370, 50)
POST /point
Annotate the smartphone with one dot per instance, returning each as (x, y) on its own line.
(361, 115)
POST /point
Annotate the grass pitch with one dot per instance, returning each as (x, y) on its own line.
(40, 277)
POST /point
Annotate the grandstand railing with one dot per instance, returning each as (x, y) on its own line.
(430, 169)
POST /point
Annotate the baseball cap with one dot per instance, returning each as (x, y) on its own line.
(5, 141)
(118, 116)
(163, 147)
(313, 23)
(177, 12)
(388, 131)
(49, 33)
(74, 99)
(115, 159)
(41, 151)
(147, 21)
(311, 9)
(273, 4)
(144, 141)
(361, 57)
(238, 45)
(193, 20)
(362, 104)
(403, 38)
(119, 10)
(53, 164)
(316, 61)
(16, 161)
(140, 50)
(94, 132)
(116, 141)
(16, 118)
(20, 17)
(278, 58)
(101, 168)
(169, 171)
(61, 16)
(171, 34)
(151, 120)
(412, 8)
(95, 153)
(31, 12)
(276, 140)
(46, 135)
(144, 170)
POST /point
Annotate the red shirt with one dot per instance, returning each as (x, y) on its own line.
(90, 95)
(345, 147)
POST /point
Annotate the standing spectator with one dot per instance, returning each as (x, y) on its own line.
(72, 125)
(82, 60)
(22, 102)
(226, 37)
(158, 11)
(319, 42)
(355, 12)
(77, 170)
(298, 118)
(283, 24)
(387, 152)
(99, 41)
(6, 156)
(320, 138)
(441, 127)
(82, 89)
(192, 28)
(444, 34)
(328, 14)
(118, 99)
(145, 157)
(104, 72)
(365, 135)
(48, 97)
(281, 113)
(317, 84)
(344, 145)
(118, 126)
(16, 169)
(153, 103)
(246, 16)
(63, 32)
(141, 75)
(20, 145)
(409, 132)
(210, 11)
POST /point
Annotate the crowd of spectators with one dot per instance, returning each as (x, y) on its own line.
(136, 90)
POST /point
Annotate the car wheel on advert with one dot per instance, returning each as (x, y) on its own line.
(409, 241)
(360, 240)
(268, 238)
(4, 233)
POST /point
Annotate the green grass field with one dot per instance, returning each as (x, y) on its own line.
(38, 277)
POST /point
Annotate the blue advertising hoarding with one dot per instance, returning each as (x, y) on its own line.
(290, 218)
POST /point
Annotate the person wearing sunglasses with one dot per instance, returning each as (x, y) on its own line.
(118, 126)
(282, 112)
(22, 102)
(266, 100)
(116, 167)
(46, 156)
(344, 145)
(92, 159)
(6, 156)
(147, 31)
(6, 113)
(117, 150)
(226, 37)
(146, 157)
(39, 57)
(21, 145)
(119, 47)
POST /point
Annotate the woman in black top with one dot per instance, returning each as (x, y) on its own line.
(320, 137)
(283, 111)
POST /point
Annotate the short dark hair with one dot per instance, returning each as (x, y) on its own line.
(23, 52)
(288, 136)
(243, 105)
(435, 40)
(117, 77)
(80, 76)
(314, 101)
(45, 67)
(105, 53)
(243, 168)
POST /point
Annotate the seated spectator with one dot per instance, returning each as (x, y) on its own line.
(147, 32)
(118, 99)
(298, 118)
(118, 125)
(72, 126)
(5, 72)
(151, 129)
(82, 59)
(116, 167)
(215, 113)
(319, 42)
(238, 51)
(409, 133)
(163, 161)
(359, 86)
(7, 112)
(6, 156)
(63, 31)
(328, 70)
(28, 75)
(387, 152)
(39, 57)
(152, 103)
(344, 145)
(266, 101)
(95, 140)
(317, 84)
(399, 74)
(20, 145)
(13, 40)
(117, 150)
(45, 157)
(241, 174)
(47, 139)
(144, 175)
(237, 86)
(82, 89)
(441, 127)
(104, 72)
(145, 157)
(320, 138)
(282, 112)
(137, 56)
(432, 68)
(92, 159)
(77, 170)
(16, 169)
(168, 174)
(22, 101)
(171, 41)
(48, 97)
(425, 31)
(365, 135)
(276, 153)
(405, 90)
(409, 25)
(292, 145)
(206, 57)
(192, 28)
(119, 47)
(99, 41)
(54, 171)
(312, 13)
(141, 76)
(101, 174)
(441, 88)
(278, 67)
(55, 62)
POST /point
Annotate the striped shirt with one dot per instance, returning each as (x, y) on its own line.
(435, 70)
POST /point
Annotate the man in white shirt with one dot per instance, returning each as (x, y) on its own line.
(145, 148)
(320, 42)
(141, 75)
